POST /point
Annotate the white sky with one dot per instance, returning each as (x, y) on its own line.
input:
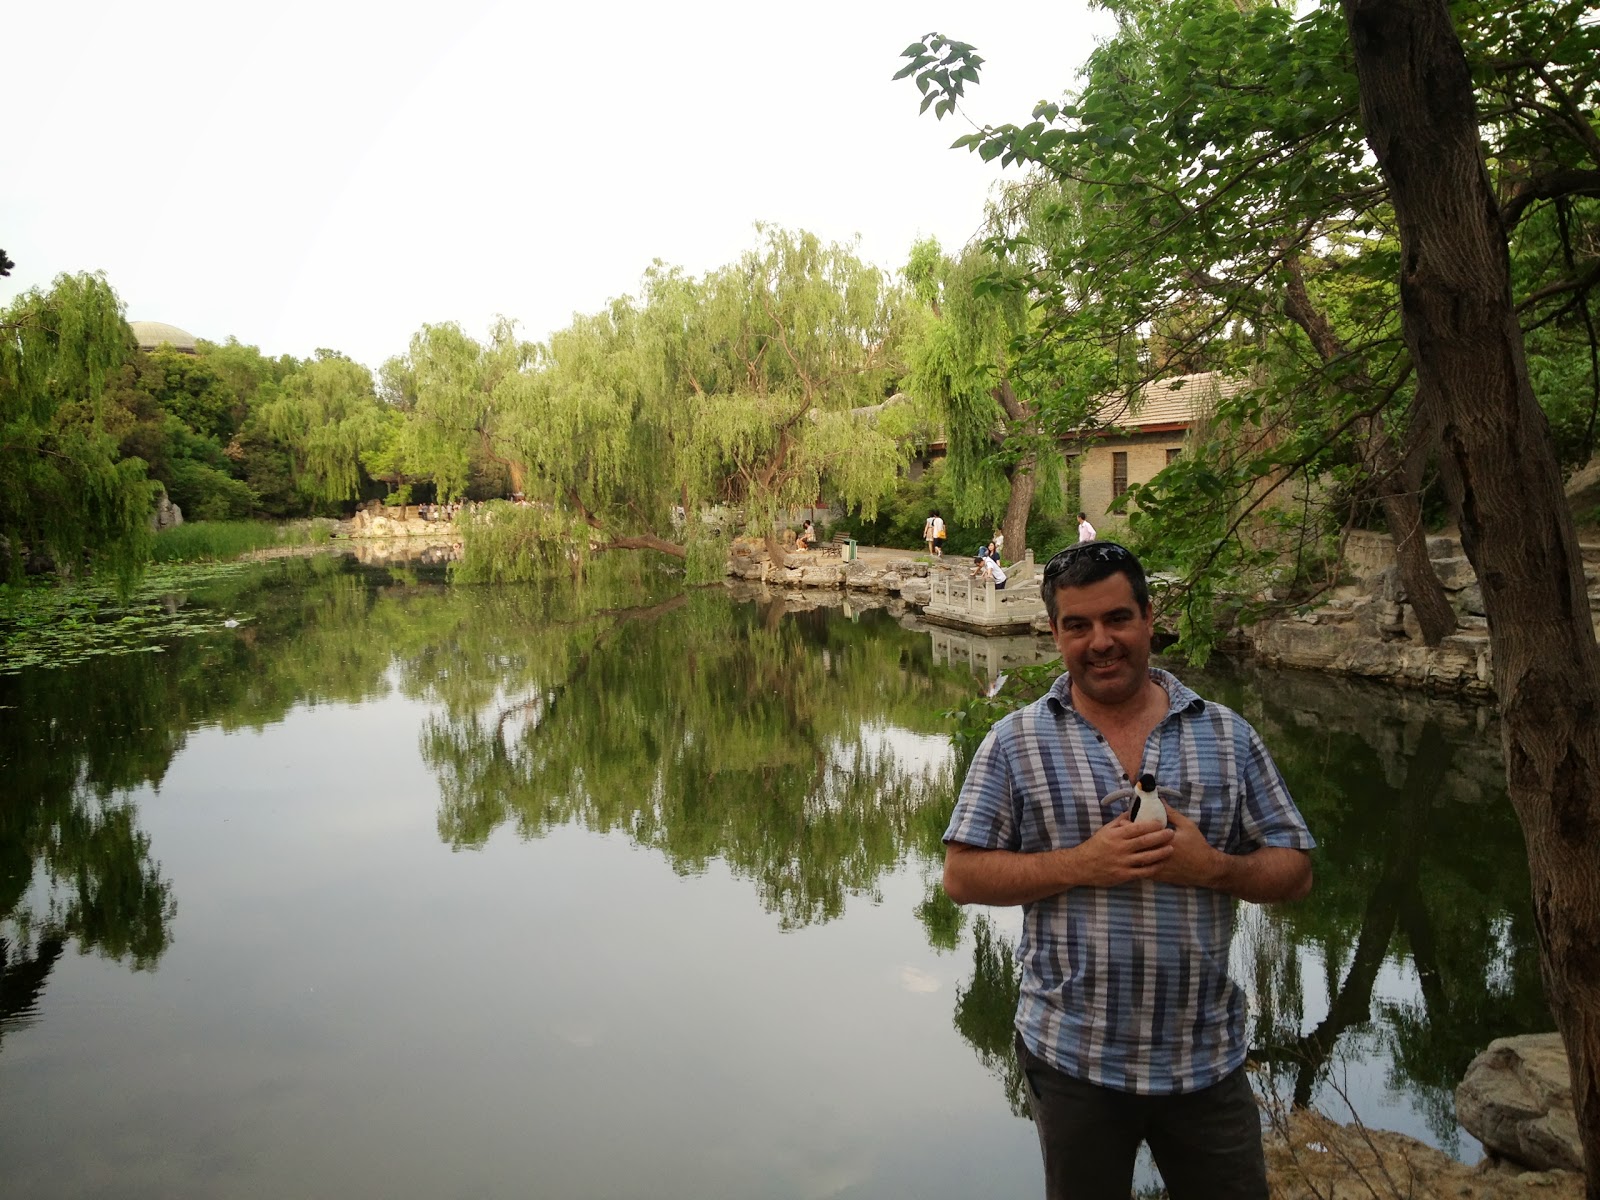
(337, 173)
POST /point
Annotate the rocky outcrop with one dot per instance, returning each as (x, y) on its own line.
(165, 514)
(1310, 1157)
(1367, 628)
(903, 577)
(1516, 1099)
(396, 523)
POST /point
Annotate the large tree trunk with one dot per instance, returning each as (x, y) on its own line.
(1396, 487)
(1023, 478)
(1421, 120)
(1402, 512)
(1015, 525)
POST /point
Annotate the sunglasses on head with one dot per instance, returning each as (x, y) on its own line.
(1099, 551)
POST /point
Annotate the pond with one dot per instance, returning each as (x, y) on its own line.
(400, 889)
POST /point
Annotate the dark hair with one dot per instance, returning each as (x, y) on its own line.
(1083, 516)
(1090, 562)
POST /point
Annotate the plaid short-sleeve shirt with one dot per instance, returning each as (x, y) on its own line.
(1127, 987)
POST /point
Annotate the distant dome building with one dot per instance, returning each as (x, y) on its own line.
(150, 334)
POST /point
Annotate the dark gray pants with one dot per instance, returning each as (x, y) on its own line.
(1207, 1144)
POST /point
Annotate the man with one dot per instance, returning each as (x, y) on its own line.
(987, 565)
(1128, 1027)
(1086, 531)
(938, 534)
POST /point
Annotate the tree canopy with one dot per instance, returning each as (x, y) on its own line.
(1232, 218)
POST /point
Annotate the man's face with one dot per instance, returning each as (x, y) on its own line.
(1104, 639)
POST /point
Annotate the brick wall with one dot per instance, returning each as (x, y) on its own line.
(1147, 455)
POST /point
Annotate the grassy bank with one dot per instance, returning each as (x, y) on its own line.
(222, 541)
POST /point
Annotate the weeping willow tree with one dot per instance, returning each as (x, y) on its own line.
(794, 347)
(746, 387)
(65, 495)
(329, 417)
(460, 397)
(979, 307)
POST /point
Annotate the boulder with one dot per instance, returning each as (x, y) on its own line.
(1454, 573)
(165, 515)
(819, 576)
(1516, 1099)
(1444, 545)
(1583, 490)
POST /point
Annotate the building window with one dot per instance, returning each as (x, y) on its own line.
(1172, 454)
(1119, 472)
(1073, 481)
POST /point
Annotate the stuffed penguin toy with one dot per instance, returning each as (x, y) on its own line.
(1146, 808)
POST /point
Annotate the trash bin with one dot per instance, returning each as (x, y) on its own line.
(850, 550)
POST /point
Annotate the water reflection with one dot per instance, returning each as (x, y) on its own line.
(790, 746)
(804, 745)
(74, 864)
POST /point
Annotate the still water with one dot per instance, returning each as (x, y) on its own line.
(403, 890)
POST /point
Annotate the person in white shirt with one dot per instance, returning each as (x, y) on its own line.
(984, 565)
(1085, 530)
(938, 534)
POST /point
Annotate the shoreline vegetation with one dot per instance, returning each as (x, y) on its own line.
(1223, 191)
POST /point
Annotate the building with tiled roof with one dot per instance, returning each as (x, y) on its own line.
(1167, 404)
(1134, 438)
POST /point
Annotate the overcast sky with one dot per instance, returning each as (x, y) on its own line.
(335, 174)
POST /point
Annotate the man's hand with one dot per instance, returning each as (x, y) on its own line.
(1194, 862)
(1265, 876)
(1120, 851)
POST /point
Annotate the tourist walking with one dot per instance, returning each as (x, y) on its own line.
(1129, 1029)
(1086, 531)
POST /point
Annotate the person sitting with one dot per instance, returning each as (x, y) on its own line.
(806, 538)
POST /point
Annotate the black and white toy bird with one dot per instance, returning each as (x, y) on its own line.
(1146, 808)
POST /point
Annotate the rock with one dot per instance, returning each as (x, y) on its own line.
(1516, 1099)
(1311, 1157)
(859, 578)
(1583, 489)
(821, 576)
(165, 514)
(1444, 545)
(1454, 573)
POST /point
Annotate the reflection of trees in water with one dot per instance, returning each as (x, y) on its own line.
(1420, 862)
(74, 865)
(986, 1009)
(710, 731)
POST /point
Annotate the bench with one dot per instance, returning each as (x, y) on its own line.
(836, 544)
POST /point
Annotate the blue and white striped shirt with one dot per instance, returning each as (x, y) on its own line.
(1127, 987)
